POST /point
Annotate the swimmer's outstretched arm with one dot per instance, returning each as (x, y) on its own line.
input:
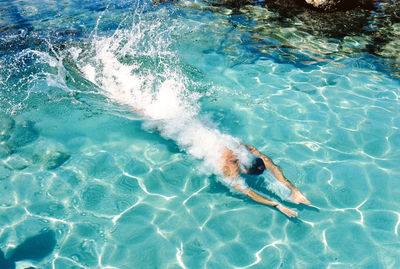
(297, 196)
(230, 170)
(260, 199)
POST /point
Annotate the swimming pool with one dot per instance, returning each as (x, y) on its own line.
(136, 189)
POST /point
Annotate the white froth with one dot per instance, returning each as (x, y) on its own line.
(90, 72)
(159, 92)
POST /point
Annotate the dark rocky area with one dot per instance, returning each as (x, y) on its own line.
(346, 27)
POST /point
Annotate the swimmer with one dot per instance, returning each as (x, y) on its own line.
(232, 170)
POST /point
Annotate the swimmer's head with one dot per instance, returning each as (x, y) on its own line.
(257, 167)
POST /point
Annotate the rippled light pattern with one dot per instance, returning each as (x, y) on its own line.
(113, 116)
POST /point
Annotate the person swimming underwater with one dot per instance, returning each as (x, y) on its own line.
(233, 170)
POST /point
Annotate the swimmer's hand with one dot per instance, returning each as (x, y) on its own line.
(299, 198)
(287, 211)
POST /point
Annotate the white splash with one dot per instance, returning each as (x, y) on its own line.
(135, 67)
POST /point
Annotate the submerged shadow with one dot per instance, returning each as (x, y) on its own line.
(259, 186)
(33, 248)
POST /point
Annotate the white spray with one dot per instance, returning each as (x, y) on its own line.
(135, 67)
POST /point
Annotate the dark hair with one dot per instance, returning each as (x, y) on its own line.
(256, 168)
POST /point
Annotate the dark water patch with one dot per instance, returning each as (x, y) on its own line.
(366, 26)
(34, 248)
(12, 19)
(336, 24)
(5, 264)
(334, 5)
(100, 5)
(234, 5)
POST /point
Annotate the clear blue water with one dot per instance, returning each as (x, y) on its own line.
(111, 117)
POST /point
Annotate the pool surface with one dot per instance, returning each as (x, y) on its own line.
(112, 115)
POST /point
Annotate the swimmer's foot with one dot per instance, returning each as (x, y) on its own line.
(287, 211)
(299, 198)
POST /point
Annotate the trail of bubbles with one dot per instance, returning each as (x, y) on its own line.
(136, 67)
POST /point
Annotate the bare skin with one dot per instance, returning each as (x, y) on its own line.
(230, 167)
(297, 196)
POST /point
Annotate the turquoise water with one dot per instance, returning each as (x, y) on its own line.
(112, 115)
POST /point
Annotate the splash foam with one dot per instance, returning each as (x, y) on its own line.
(135, 67)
